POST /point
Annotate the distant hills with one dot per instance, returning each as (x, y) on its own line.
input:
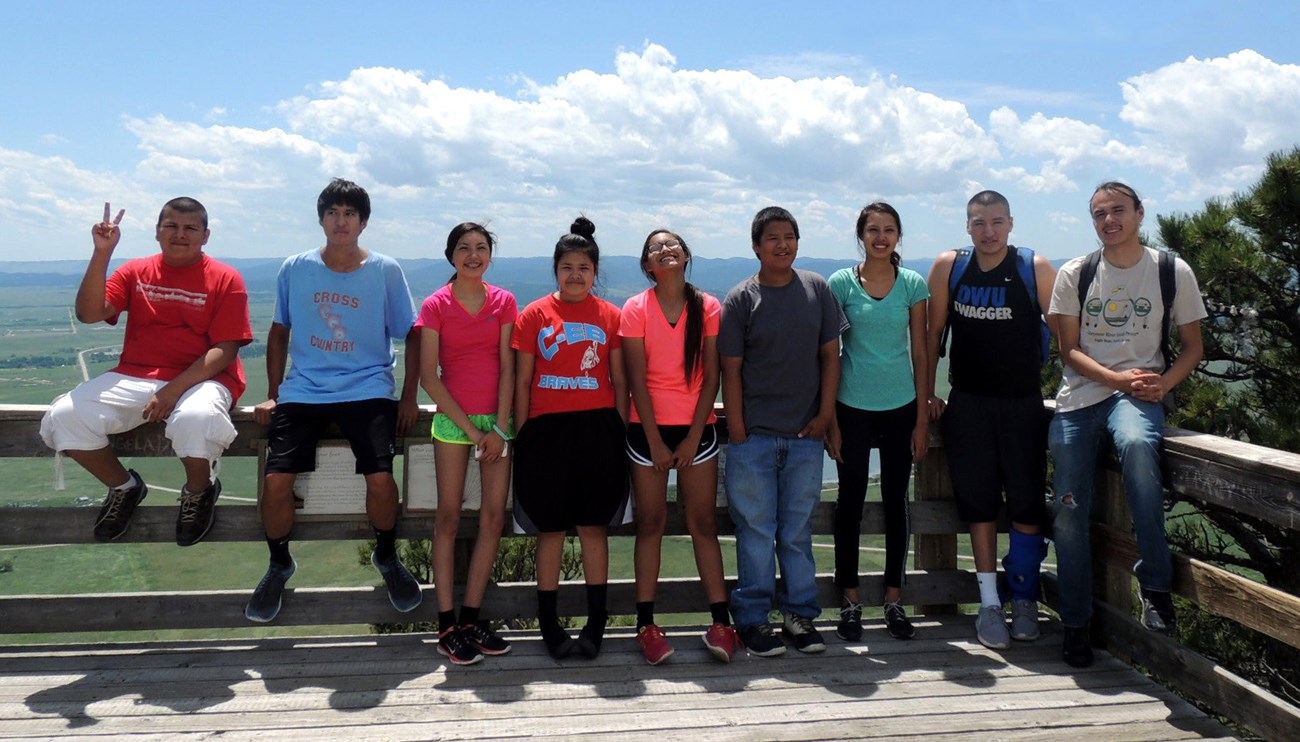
(527, 278)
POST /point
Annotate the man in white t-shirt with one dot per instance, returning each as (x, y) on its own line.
(1115, 381)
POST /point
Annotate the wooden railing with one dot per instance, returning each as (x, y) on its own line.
(1248, 479)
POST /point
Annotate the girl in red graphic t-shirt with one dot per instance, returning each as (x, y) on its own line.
(670, 347)
(571, 407)
(467, 367)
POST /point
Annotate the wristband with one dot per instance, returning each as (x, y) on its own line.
(500, 432)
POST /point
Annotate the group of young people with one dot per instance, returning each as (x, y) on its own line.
(575, 398)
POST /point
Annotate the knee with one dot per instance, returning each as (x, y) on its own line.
(701, 523)
(491, 521)
(651, 521)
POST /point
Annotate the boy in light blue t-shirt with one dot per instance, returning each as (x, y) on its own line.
(337, 311)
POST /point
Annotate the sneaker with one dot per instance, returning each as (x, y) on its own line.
(119, 505)
(850, 626)
(264, 606)
(403, 591)
(760, 640)
(1158, 611)
(558, 642)
(1024, 620)
(991, 627)
(654, 645)
(198, 513)
(455, 646)
(722, 641)
(806, 638)
(482, 636)
(1076, 649)
(897, 623)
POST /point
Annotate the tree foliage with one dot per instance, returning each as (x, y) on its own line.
(1245, 251)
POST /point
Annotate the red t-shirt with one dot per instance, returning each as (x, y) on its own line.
(673, 399)
(175, 315)
(572, 345)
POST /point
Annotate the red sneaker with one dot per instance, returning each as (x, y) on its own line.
(654, 645)
(722, 641)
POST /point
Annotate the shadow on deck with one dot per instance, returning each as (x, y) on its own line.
(941, 685)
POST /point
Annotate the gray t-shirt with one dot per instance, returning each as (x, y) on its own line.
(1120, 321)
(778, 331)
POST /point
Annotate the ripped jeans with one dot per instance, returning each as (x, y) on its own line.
(1137, 428)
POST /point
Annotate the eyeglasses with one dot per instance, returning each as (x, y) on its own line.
(659, 246)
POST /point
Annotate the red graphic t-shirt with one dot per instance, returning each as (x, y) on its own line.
(174, 315)
(572, 343)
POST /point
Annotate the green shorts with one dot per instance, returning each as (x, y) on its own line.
(445, 430)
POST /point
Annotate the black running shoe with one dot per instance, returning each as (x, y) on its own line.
(482, 636)
(897, 622)
(455, 646)
(760, 640)
(403, 589)
(801, 631)
(264, 605)
(850, 626)
(119, 506)
(198, 513)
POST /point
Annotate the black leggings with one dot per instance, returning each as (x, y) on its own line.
(860, 431)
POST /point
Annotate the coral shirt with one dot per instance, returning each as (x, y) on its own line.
(665, 352)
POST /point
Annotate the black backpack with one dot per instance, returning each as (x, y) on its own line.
(1168, 290)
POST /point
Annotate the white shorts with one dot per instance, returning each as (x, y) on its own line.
(81, 420)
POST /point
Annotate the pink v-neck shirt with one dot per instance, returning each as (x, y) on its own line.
(469, 346)
(665, 350)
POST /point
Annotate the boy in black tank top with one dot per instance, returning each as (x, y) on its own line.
(994, 424)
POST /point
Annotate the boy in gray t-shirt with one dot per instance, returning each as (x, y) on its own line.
(779, 348)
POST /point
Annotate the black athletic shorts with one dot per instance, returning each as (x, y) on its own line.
(570, 470)
(370, 426)
(638, 447)
(995, 444)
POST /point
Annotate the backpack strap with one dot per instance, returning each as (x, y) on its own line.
(1168, 290)
(1087, 272)
(1025, 267)
(960, 264)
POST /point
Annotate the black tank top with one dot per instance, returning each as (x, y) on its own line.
(995, 333)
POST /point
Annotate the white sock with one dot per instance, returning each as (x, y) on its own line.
(988, 588)
(127, 485)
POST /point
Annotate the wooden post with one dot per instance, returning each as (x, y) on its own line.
(937, 551)
(1112, 578)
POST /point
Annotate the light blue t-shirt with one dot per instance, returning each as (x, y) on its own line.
(342, 327)
(875, 352)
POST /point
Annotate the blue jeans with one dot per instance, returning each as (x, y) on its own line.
(773, 486)
(1137, 429)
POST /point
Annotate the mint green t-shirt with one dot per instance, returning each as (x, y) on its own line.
(875, 352)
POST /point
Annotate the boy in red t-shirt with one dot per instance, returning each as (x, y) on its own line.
(187, 318)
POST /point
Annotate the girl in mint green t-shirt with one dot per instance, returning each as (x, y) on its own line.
(883, 369)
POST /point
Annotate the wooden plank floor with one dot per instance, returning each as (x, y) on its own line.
(941, 685)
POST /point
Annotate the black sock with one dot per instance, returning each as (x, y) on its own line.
(719, 611)
(468, 615)
(446, 620)
(596, 612)
(548, 607)
(385, 543)
(645, 613)
(279, 551)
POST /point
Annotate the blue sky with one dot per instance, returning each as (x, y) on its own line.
(690, 115)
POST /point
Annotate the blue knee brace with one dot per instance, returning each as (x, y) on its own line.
(1022, 563)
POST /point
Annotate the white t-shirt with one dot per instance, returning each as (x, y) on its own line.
(1120, 321)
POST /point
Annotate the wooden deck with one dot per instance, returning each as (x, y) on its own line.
(941, 685)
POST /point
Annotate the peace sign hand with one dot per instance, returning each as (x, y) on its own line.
(107, 233)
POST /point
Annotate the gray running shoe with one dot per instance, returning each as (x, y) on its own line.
(264, 606)
(1158, 611)
(119, 506)
(1024, 620)
(991, 627)
(403, 589)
